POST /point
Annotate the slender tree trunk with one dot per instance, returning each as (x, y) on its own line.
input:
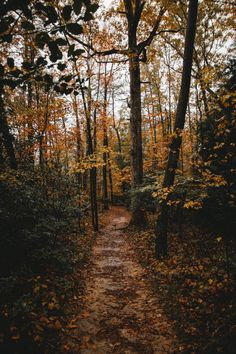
(42, 137)
(161, 111)
(110, 179)
(78, 138)
(6, 137)
(114, 123)
(1, 153)
(66, 143)
(89, 152)
(174, 149)
(29, 54)
(105, 144)
(154, 125)
(169, 94)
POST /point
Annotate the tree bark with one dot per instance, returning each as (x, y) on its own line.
(30, 56)
(174, 148)
(133, 16)
(105, 144)
(5, 136)
(89, 152)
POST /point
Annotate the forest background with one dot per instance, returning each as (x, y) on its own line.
(76, 137)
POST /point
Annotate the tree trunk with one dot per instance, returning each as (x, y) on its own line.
(89, 152)
(105, 144)
(6, 137)
(78, 139)
(174, 149)
(133, 14)
(138, 217)
(29, 56)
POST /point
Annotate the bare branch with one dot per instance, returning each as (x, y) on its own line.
(152, 34)
(138, 14)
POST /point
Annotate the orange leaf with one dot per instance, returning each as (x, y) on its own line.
(71, 326)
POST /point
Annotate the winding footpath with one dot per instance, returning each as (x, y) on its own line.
(122, 314)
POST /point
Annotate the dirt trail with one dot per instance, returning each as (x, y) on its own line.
(121, 313)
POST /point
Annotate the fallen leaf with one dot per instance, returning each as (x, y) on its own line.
(51, 305)
(37, 339)
(58, 325)
(16, 337)
(85, 314)
(71, 326)
(44, 319)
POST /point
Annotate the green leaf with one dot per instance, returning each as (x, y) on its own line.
(61, 41)
(3, 26)
(6, 38)
(41, 39)
(93, 7)
(66, 12)
(61, 66)
(10, 62)
(77, 5)
(56, 54)
(67, 78)
(88, 16)
(48, 78)
(74, 28)
(16, 73)
(78, 52)
(41, 61)
(29, 26)
(71, 50)
(1, 69)
(26, 65)
(51, 14)
(10, 83)
(39, 6)
(68, 91)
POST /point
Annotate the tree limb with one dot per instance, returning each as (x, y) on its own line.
(152, 34)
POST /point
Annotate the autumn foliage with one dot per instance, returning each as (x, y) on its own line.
(88, 100)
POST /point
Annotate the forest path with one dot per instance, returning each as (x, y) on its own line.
(121, 314)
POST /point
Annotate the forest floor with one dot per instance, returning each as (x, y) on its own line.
(120, 312)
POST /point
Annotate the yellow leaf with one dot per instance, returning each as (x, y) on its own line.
(51, 305)
(44, 286)
(15, 337)
(36, 289)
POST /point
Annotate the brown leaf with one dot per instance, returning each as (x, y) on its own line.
(37, 339)
(58, 325)
(71, 326)
(85, 314)
(44, 319)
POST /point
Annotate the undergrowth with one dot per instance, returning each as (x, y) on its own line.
(196, 284)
